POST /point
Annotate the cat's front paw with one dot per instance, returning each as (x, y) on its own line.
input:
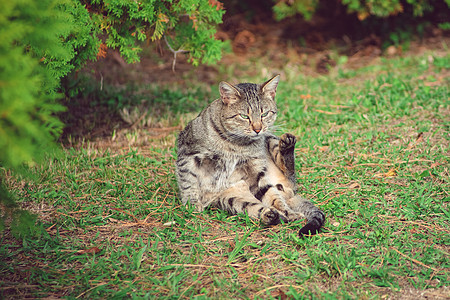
(270, 216)
(287, 142)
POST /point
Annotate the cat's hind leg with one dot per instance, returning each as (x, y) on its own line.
(239, 199)
(305, 208)
(276, 197)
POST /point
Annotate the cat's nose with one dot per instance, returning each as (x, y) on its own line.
(257, 127)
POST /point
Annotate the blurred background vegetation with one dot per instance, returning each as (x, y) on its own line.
(45, 43)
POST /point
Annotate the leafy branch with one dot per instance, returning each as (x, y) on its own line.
(175, 52)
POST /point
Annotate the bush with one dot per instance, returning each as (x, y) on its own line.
(363, 8)
(190, 25)
(30, 32)
(43, 40)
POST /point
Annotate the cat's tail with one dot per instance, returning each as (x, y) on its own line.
(314, 216)
(314, 224)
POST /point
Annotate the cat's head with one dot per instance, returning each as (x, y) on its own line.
(248, 110)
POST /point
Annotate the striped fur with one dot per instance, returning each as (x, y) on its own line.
(228, 158)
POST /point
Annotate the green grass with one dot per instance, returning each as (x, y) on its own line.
(372, 152)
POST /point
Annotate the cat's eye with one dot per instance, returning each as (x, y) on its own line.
(245, 117)
(265, 114)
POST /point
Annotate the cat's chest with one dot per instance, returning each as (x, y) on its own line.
(222, 171)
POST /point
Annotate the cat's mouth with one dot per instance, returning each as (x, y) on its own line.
(256, 132)
(255, 135)
(245, 138)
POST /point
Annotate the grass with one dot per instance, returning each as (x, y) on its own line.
(372, 152)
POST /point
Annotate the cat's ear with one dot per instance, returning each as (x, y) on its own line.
(228, 93)
(270, 86)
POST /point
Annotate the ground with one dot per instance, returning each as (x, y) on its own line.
(372, 153)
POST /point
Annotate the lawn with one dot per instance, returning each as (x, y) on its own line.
(372, 153)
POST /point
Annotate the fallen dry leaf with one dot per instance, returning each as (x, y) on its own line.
(353, 185)
(391, 173)
(170, 223)
(93, 250)
(279, 294)
(419, 137)
(326, 112)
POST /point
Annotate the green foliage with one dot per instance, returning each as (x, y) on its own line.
(189, 23)
(84, 37)
(30, 31)
(445, 26)
(363, 8)
(304, 7)
(387, 8)
(42, 41)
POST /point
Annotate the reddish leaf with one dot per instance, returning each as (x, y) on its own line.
(93, 250)
(215, 3)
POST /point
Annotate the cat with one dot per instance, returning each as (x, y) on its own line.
(228, 158)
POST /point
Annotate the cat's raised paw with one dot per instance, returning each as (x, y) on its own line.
(287, 142)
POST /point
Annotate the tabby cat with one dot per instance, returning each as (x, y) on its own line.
(228, 158)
